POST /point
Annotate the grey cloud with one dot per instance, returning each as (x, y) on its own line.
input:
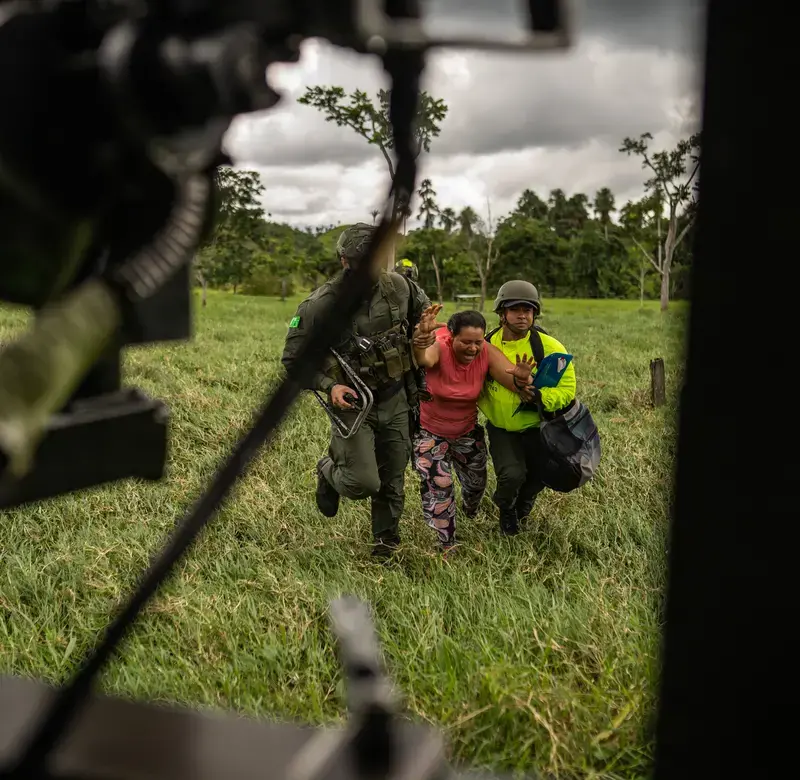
(311, 143)
(559, 103)
(510, 103)
(504, 176)
(662, 24)
(507, 183)
(268, 139)
(596, 91)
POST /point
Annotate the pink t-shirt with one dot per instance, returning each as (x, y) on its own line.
(455, 388)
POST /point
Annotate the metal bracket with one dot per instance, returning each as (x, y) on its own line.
(364, 402)
(548, 30)
(372, 745)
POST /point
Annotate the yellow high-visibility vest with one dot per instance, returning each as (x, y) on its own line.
(499, 404)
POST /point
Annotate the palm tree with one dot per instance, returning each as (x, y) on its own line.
(448, 219)
(603, 207)
(468, 221)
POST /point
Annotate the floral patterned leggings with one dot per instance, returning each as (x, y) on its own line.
(434, 460)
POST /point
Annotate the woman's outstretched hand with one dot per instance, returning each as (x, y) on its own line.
(425, 329)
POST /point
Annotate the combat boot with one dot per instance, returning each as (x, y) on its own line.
(384, 546)
(523, 512)
(509, 522)
(327, 497)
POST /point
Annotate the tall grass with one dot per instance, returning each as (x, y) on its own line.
(538, 653)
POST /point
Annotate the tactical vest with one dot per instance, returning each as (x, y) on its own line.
(381, 359)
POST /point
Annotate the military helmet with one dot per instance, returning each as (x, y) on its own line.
(515, 292)
(405, 267)
(353, 241)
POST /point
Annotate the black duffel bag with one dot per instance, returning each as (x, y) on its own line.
(570, 448)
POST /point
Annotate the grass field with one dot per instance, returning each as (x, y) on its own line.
(538, 653)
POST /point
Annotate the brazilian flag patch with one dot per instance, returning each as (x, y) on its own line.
(295, 323)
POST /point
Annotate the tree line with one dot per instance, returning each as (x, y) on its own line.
(570, 245)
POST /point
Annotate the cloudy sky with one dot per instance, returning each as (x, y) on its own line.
(515, 121)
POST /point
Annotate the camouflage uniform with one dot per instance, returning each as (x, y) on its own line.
(372, 463)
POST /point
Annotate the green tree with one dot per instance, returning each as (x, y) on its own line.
(604, 206)
(226, 258)
(468, 223)
(671, 189)
(428, 209)
(370, 120)
(448, 219)
(530, 249)
(434, 250)
(428, 213)
(531, 206)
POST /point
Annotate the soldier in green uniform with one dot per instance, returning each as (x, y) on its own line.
(372, 462)
(406, 268)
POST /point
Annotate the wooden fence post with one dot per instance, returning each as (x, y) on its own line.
(658, 384)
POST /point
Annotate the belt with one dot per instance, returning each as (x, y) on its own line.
(385, 393)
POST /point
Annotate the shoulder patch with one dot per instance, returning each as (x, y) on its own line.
(295, 323)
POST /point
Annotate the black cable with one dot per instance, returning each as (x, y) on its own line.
(404, 70)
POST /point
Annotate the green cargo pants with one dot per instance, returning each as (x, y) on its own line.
(514, 456)
(372, 464)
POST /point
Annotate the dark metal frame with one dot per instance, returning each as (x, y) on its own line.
(363, 404)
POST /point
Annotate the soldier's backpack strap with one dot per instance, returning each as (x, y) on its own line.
(536, 344)
(392, 296)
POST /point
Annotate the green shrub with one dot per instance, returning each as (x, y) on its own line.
(264, 282)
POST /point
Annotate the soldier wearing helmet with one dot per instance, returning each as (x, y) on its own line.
(406, 268)
(372, 462)
(513, 429)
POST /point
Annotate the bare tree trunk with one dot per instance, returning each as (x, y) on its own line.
(491, 256)
(283, 289)
(438, 279)
(660, 244)
(483, 292)
(669, 251)
(203, 294)
(665, 290)
(641, 285)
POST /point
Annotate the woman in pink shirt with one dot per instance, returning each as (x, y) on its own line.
(450, 437)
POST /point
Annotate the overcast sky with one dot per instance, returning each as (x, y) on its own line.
(515, 121)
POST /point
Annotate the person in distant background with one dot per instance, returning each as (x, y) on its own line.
(406, 268)
(450, 437)
(513, 432)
